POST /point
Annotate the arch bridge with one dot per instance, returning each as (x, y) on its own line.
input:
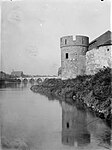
(34, 79)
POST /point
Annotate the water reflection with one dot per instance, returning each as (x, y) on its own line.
(37, 122)
(81, 128)
(10, 85)
(74, 126)
(16, 85)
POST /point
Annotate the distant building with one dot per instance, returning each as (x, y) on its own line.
(2, 75)
(17, 73)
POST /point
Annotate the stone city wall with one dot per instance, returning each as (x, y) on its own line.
(98, 58)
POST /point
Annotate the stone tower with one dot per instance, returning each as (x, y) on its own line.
(73, 56)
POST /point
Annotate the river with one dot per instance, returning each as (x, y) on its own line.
(49, 124)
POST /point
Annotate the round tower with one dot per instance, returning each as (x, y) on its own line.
(73, 55)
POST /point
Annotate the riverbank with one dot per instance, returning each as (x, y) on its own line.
(91, 92)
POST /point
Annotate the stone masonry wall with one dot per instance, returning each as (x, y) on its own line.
(98, 58)
(75, 64)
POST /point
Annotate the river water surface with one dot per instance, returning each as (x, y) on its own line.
(49, 124)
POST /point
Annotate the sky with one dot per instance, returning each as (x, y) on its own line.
(31, 31)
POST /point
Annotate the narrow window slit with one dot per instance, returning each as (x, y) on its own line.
(66, 55)
(67, 124)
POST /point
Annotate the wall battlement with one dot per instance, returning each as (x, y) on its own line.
(80, 41)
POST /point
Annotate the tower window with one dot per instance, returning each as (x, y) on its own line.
(108, 49)
(66, 55)
(65, 41)
(67, 125)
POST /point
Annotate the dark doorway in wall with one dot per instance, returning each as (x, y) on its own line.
(66, 55)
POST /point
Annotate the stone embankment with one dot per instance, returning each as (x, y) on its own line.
(89, 92)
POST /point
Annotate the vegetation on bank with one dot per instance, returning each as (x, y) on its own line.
(93, 91)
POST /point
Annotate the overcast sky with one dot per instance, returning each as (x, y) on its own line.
(31, 30)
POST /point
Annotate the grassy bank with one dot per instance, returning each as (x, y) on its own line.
(93, 92)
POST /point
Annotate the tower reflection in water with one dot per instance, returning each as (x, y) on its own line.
(74, 126)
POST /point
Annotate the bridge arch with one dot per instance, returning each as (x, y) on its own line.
(39, 80)
(25, 80)
(32, 80)
(19, 80)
